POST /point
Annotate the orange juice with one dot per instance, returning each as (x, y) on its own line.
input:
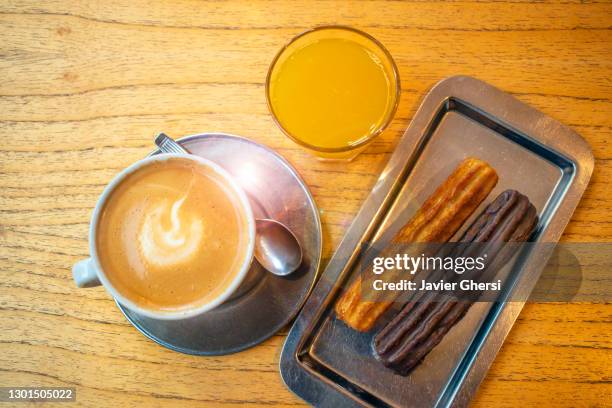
(332, 89)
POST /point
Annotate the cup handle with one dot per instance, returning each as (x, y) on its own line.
(84, 274)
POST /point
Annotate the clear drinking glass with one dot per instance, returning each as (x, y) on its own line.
(343, 81)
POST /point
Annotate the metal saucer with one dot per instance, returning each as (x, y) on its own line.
(264, 303)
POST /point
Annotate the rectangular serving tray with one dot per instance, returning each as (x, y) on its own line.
(326, 363)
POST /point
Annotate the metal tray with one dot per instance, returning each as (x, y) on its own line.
(326, 363)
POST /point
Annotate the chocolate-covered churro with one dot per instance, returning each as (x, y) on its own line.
(422, 323)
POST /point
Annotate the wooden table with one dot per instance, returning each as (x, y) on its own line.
(85, 85)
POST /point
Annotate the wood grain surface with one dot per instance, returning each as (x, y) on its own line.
(84, 86)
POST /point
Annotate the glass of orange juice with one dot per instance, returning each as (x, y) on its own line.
(333, 89)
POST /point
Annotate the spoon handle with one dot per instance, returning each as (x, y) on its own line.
(167, 145)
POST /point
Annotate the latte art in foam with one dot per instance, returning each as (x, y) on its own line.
(172, 235)
(170, 246)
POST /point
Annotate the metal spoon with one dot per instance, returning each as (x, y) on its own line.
(276, 247)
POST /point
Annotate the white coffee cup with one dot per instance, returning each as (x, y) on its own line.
(88, 272)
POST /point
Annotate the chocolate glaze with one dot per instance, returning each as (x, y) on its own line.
(423, 322)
